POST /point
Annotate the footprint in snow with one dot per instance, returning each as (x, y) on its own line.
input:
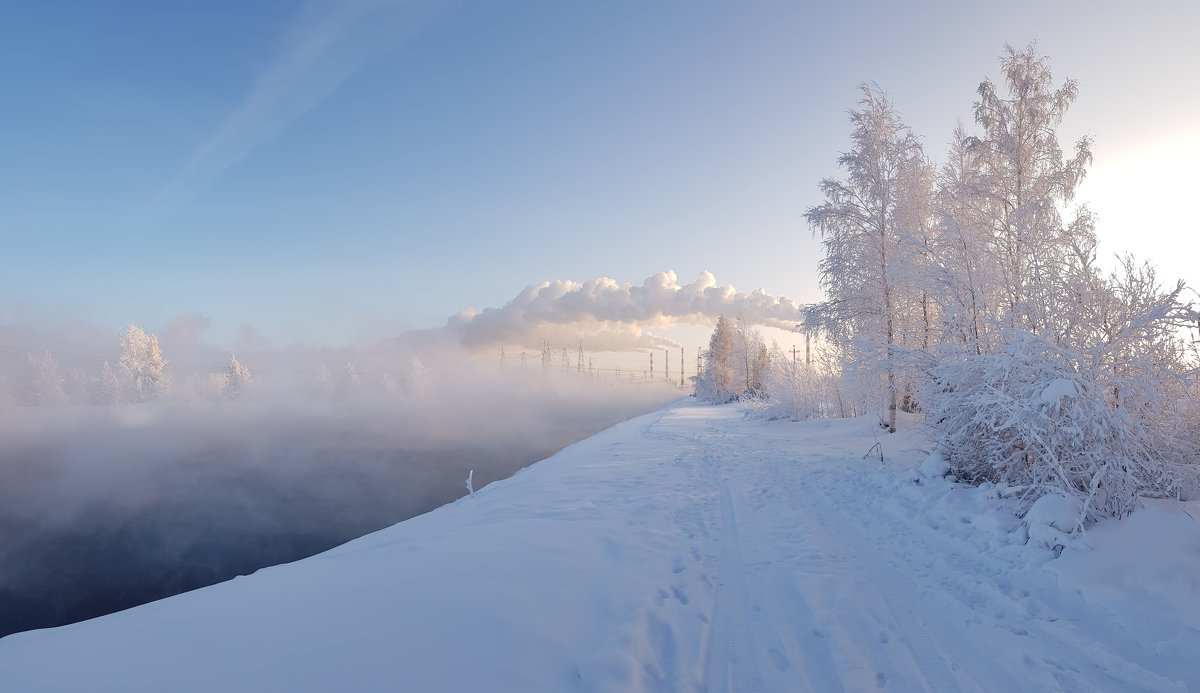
(780, 661)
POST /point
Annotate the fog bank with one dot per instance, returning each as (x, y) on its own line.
(105, 507)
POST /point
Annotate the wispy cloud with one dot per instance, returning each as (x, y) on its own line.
(323, 46)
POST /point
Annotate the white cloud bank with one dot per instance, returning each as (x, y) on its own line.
(608, 316)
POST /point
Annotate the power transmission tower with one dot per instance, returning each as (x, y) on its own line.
(666, 364)
(566, 361)
(579, 359)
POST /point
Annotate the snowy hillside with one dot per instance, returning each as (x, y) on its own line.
(688, 549)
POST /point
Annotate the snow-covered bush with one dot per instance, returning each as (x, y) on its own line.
(1038, 418)
(798, 391)
(1054, 520)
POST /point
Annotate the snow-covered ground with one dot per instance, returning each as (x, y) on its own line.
(688, 549)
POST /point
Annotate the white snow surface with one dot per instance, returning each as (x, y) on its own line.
(1052, 519)
(690, 549)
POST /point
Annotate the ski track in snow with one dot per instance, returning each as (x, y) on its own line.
(686, 550)
(840, 591)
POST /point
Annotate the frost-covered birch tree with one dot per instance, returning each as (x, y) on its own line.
(966, 281)
(1023, 180)
(142, 364)
(716, 380)
(872, 230)
(1067, 381)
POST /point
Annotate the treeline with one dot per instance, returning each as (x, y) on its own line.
(141, 374)
(969, 293)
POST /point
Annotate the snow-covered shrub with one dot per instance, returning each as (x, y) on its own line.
(870, 375)
(798, 391)
(1038, 418)
(1053, 520)
(935, 466)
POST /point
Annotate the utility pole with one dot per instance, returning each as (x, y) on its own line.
(666, 364)
(807, 350)
(501, 352)
(794, 362)
(652, 365)
(680, 366)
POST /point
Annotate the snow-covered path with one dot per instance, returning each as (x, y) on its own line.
(828, 576)
(686, 550)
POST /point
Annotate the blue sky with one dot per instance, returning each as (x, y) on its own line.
(339, 172)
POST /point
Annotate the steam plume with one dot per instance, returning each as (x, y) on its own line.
(610, 316)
